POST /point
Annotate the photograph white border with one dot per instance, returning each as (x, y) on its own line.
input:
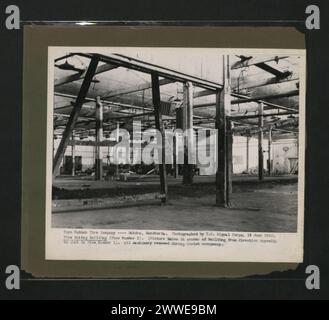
(289, 246)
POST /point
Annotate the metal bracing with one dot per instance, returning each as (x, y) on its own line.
(74, 114)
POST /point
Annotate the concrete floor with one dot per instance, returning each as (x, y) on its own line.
(270, 206)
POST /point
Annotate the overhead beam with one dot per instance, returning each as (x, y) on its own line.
(263, 115)
(203, 93)
(265, 103)
(104, 101)
(277, 125)
(138, 65)
(272, 96)
(64, 57)
(250, 61)
(136, 88)
(284, 130)
(262, 64)
(74, 114)
(81, 75)
(204, 105)
(243, 98)
(247, 84)
(128, 116)
(279, 74)
(103, 143)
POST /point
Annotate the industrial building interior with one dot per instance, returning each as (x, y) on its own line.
(253, 102)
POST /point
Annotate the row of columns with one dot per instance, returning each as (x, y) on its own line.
(184, 119)
(188, 172)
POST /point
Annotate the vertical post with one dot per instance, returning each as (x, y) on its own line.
(74, 114)
(229, 161)
(53, 146)
(247, 155)
(224, 139)
(260, 142)
(99, 139)
(188, 133)
(270, 151)
(175, 165)
(179, 125)
(117, 164)
(73, 155)
(159, 126)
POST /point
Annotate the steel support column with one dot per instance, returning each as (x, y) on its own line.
(73, 156)
(247, 154)
(260, 142)
(159, 126)
(99, 139)
(188, 133)
(269, 151)
(224, 140)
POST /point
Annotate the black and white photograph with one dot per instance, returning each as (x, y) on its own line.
(155, 153)
(176, 139)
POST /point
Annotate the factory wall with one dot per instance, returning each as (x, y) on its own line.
(284, 156)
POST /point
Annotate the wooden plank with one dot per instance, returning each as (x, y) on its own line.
(159, 126)
(77, 76)
(74, 114)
